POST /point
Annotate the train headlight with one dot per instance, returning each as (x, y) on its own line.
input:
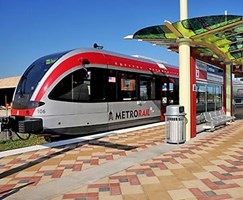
(35, 104)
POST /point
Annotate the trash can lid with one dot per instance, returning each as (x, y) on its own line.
(175, 110)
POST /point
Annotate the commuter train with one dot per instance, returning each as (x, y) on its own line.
(89, 90)
(238, 93)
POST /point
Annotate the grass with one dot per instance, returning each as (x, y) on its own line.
(17, 143)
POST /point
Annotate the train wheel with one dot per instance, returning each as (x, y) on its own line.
(49, 138)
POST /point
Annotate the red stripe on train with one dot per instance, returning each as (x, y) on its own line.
(94, 58)
(24, 112)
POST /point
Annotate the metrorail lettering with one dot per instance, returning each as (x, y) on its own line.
(131, 114)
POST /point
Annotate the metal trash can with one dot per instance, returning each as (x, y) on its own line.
(175, 124)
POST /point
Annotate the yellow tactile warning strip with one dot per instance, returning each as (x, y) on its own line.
(207, 168)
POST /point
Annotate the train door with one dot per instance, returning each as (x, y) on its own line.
(149, 96)
(79, 102)
(121, 95)
(98, 107)
(170, 93)
(131, 99)
(164, 97)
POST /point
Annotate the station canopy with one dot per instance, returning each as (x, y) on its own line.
(219, 37)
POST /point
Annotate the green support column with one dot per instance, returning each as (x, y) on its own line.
(228, 85)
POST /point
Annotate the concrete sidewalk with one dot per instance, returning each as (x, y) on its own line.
(132, 165)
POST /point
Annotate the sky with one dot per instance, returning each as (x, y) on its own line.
(30, 29)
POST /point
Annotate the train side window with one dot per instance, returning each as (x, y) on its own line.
(176, 91)
(171, 93)
(147, 88)
(238, 93)
(158, 88)
(128, 90)
(164, 91)
(74, 87)
(171, 90)
(111, 89)
(98, 80)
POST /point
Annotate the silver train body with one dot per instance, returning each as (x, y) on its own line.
(85, 91)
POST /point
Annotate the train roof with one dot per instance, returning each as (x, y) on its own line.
(102, 51)
(161, 66)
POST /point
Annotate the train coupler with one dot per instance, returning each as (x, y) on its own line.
(33, 125)
(7, 123)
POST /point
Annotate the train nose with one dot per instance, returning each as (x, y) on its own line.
(26, 109)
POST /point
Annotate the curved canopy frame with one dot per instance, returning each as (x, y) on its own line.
(218, 36)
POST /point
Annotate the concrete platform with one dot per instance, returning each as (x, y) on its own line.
(135, 164)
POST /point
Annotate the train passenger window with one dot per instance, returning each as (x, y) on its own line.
(111, 89)
(98, 81)
(176, 91)
(147, 88)
(170, 91)
(127, 86)
(74, 87)
(164, 92)
(158, 88)
(173, 91)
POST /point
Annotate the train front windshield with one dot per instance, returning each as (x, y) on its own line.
(31, 78)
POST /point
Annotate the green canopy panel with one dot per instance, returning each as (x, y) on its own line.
(219, 36)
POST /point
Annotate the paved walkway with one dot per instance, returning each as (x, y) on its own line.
(132, 165)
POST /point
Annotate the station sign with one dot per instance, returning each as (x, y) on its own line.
(208, 72)
(201, 70)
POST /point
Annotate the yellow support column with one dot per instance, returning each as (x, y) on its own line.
(184, 72)
(228, 85)
(185, 81)
(183, 9)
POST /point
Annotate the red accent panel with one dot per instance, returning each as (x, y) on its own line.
(193, 97)
(202, 75)
(129, 63)
(172, 71)
(24, 112)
